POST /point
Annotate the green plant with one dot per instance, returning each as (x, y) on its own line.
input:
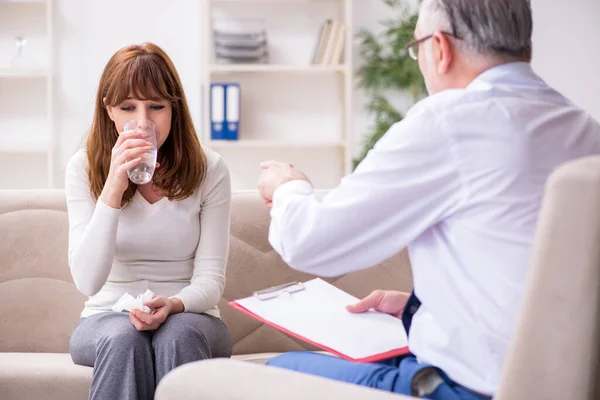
(388, 69)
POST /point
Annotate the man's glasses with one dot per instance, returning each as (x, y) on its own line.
(413, 47)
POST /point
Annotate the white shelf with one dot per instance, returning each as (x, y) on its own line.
(273, 93)
(270, 1)
(273, 144)
(23, 73)
(24, 82)
(302, 69)
(23, 1)
(24, 148)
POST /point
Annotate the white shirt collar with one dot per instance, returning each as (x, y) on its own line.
(504, 72)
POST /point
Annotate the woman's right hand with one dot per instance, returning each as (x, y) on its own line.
(125, 155)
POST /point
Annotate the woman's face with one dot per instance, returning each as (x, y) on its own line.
(159, 112)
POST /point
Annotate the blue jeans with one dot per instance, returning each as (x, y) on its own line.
(397, 375)
(394, 375)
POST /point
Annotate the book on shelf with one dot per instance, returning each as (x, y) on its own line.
(330, 44)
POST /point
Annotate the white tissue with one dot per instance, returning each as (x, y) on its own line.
(127, 302)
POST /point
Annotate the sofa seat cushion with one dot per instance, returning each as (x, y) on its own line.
(46, 376)
(53, 376)
(262, 358)
(259, 358)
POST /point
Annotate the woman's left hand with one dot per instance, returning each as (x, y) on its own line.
(143, 321)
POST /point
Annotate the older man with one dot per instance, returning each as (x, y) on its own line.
(459, 181)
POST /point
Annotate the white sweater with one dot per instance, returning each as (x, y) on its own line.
(174, 248)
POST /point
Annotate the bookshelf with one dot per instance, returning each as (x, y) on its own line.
(27, 143)
(274, 144)
(277, 120)
(299, 69)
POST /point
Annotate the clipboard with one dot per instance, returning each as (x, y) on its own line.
(315, 313)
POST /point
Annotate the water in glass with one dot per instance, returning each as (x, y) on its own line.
(144, 171)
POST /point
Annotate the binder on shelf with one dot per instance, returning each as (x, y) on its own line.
(224, 111)
(217, 112)
(232, 110)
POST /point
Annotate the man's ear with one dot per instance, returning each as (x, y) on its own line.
(109, 109)
(443, 52)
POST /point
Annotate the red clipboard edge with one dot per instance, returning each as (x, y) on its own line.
(371, 359)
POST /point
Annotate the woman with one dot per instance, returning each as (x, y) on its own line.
(170, 236)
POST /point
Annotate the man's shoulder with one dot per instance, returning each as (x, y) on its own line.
(426, 115)
(451, 100)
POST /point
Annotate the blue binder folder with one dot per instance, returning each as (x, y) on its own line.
(224, 111)
(232, 110)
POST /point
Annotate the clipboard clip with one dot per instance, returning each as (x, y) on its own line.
(275, 291)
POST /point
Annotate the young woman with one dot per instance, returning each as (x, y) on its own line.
(170, 236)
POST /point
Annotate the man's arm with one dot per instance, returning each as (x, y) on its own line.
(406, 184)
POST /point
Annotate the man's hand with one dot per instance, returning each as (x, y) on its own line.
(275, 174)
(387, 301)
(162, 307)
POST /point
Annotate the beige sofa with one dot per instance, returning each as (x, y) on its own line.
(39, 305)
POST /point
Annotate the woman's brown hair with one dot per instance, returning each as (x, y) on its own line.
(146, 73)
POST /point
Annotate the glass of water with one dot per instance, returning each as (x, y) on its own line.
(144, 171)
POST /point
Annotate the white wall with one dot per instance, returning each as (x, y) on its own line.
(567, 49)
(566, 54)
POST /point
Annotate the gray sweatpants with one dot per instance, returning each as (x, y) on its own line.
(128, 364)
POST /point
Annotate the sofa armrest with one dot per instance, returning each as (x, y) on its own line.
(226, 379)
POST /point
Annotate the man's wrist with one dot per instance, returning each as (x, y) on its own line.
(291, 179)
(294, 186)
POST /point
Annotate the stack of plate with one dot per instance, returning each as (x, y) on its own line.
(240, 42)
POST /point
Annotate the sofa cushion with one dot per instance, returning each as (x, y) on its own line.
(259, 358)
(262, 358)
(52, 376)
(38, 314)
(212, 380)
(39, 304)
(47, 376)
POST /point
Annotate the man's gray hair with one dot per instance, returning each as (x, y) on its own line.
(502, 27)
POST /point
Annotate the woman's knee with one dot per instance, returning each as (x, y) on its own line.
(125, 340)
(179, 337)
(183, 332)
(81, 354)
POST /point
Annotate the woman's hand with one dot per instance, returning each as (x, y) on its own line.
(386, 301)
(162, 307)
(125, 155)
(143, 321)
